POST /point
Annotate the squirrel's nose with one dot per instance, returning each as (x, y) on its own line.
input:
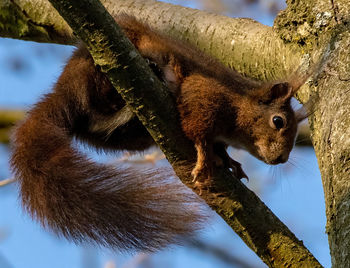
(282, 158)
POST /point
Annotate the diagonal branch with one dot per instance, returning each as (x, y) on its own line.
(261, 230)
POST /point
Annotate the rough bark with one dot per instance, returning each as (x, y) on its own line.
(28, 20)
(317, 25)
(239, 207)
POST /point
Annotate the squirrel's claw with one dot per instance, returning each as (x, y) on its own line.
(202, 177)
(236, 169)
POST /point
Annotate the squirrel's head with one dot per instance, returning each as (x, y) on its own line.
(268, 122)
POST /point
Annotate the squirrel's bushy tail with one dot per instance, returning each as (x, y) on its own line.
(86, 201)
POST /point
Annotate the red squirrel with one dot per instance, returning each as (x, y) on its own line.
(124, 208)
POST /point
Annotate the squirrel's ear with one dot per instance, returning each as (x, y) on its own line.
(280, 91)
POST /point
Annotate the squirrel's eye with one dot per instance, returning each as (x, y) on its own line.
(278, 122)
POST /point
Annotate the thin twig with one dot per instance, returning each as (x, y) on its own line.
(7, 181)
(220, 253)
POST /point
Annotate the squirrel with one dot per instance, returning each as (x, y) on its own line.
(121, 207)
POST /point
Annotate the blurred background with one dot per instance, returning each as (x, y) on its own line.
(293, 191)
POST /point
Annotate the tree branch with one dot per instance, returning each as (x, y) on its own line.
(241, 209)
(248, 46)
(33, 21)
(8, 119)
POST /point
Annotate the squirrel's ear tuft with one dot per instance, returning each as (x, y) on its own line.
(307, 109)
(301, 114)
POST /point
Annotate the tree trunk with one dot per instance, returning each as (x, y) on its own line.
(324, 26)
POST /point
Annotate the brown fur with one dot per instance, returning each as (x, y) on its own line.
(127, 209)
(218, 105)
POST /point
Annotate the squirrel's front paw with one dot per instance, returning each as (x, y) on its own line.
(202, 176)
(201, 173)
